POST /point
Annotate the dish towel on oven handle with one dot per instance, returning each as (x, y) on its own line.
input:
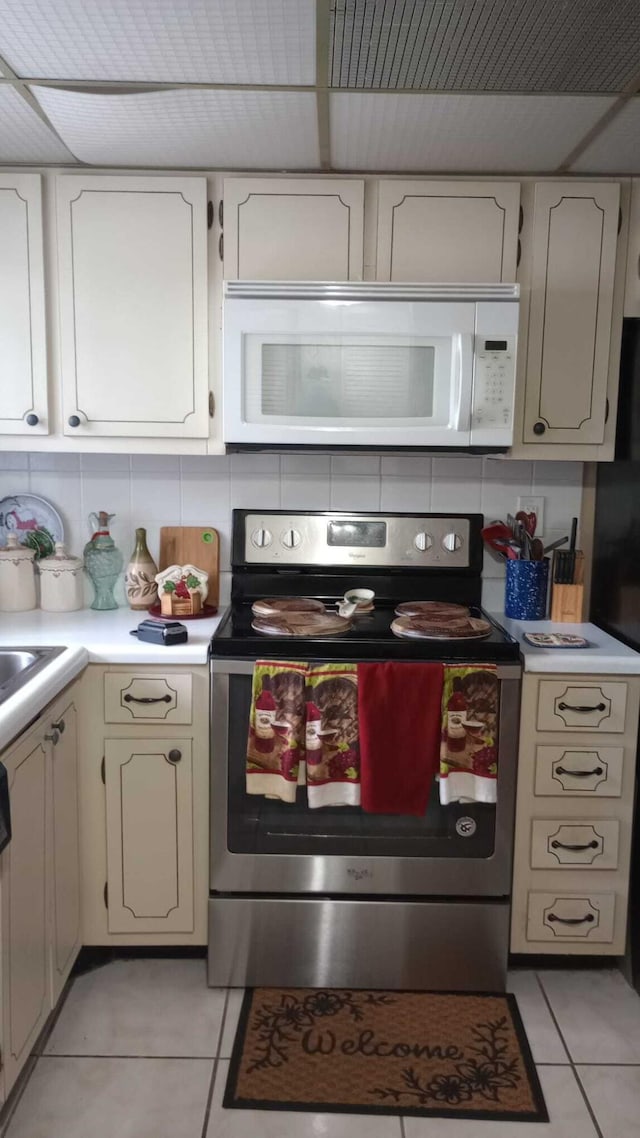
(301, 711)
(400, 723)
(469, 743)
(275, 747)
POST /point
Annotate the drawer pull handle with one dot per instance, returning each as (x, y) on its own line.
(147, 699)
(556, 845)
(571, 920)
(579, 774)
(583, 709)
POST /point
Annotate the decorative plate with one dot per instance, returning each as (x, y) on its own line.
(36, 523)
(420, 629)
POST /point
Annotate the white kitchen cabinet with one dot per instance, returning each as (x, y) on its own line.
(26, 990)
(293, 229)
(149, 818)
(571, 277)
(41, 932)
(132, 274)
(65, 864)
(574, 814)
(144, 806)
(23, 354)
(632, 287)
(461, 232)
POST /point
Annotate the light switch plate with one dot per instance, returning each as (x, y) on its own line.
(532, 505)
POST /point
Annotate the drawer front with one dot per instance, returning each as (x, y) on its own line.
(134, 696)
(589, 772)
(557, 843)
(581, 707)
(571, 917)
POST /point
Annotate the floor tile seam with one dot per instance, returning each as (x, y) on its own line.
(210, 1094)
(576, 1074)
(123, 1055)
(27, 1071)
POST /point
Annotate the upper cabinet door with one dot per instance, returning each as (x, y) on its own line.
(293, 229)
(23, 356)
(575, 232)
(447, 232)
(133, 306)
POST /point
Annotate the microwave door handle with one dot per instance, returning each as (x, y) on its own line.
(463, 381)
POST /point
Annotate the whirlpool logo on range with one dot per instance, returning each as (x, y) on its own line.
(359, 874)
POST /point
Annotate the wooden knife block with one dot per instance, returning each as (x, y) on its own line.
(567, 600)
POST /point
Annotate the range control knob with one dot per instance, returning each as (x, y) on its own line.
(451, 542)
(291, 539)
(423, 542)
(261, 538)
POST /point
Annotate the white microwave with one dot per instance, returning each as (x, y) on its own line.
(368, 365)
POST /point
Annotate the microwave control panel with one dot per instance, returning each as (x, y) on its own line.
(494, 383)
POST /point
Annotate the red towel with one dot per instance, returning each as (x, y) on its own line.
(400, 713)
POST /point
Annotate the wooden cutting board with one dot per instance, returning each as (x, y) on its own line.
(302, 624)
(193, 545)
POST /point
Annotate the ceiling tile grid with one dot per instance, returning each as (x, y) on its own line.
(270, 130)
(486, 45)
(158, 41)
(24, 137)
(442, 133)
(617, 149)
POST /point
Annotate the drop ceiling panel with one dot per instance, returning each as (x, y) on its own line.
(24, 137)
(238, 129)
(617, 149)
(196, 41)
(486, 45)
(458, 133)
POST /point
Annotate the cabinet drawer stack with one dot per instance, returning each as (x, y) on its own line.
(576, 776)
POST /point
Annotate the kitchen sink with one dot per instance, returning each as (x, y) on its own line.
(19, 665)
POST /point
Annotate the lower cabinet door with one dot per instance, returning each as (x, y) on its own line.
(25, 941)
(149, 804)
(65, 868)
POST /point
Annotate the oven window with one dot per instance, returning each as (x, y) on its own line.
(347, 381)
(260, 825)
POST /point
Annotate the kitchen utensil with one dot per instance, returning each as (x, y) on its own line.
(17, 577)
(536, 549)
(571, 559)
(528, 520)
(555, 544)
(33, 520)
(564, 562)
(500, 539)
(356, 601)
(193, 545)
(61, 581)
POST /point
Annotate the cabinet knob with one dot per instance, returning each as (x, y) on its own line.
(174, 756)
(539, 428)
(59, 726)
(32, 420)
(74, 421)
(53, 737)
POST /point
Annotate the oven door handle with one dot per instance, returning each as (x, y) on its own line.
(220, 665)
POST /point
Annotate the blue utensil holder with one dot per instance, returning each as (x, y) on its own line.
(526, 589)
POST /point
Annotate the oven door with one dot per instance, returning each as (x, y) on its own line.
(259, 845)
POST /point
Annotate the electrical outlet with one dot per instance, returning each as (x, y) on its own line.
(533, 505)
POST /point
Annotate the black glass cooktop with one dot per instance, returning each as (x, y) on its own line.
(369, 638)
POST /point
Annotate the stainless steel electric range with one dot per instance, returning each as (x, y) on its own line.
(336, 896)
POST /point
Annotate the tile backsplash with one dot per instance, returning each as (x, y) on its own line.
(155, 490)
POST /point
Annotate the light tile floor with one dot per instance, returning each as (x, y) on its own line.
(141, 1050)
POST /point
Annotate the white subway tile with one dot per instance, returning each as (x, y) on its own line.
(13, 482)
(259, 491)
(456, 484)
(406, 466)
(405, 494)
(166, 465)
(493, 594)
(51, 460)
(205, 465)
(63, 491)
(306, 492)
(557, 474)
(105, 463)
(355, 493)
(253, 464)
(14, 460)
(355, 464)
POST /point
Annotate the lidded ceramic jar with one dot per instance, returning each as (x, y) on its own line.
(17, 577)
(61, 582)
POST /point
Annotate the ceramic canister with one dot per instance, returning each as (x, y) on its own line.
(61, 582)
(17, 577)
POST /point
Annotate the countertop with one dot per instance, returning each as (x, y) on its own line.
(105, 636)
(604, 655)
(88, 637)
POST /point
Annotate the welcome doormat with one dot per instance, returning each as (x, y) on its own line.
(447, 1055)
